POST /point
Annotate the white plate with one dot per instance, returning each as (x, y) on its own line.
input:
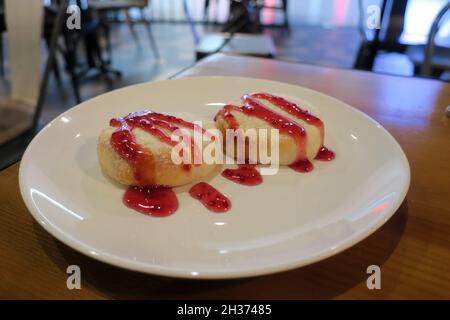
(291, 220)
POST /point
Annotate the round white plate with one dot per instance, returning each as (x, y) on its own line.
(290, 220)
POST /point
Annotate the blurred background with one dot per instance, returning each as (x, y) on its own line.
(108, 44)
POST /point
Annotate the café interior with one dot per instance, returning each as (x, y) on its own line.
(378, 72)
(117, 43)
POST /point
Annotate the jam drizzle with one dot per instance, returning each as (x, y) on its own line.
(210, 197)
(245, 174)
(158, 125)
(160, 201)
(156, 201)
(253, 107)
(293, 109)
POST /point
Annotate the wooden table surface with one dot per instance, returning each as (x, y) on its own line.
(412, 248)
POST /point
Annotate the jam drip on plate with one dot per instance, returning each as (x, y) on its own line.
(325, 154)
(245, 174)
(157, 201)
(210, 197)
(302, 166)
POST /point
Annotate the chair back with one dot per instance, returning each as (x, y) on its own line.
(24, 21)
(426, 68)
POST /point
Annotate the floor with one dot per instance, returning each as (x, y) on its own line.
(322, 32)
(136, 61)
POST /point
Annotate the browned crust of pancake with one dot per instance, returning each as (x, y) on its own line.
(162, 170)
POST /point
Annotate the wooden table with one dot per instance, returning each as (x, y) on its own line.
(412, 248)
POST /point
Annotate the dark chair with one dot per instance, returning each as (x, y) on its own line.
(430, 59)
(88, 36)
(260, 5)
(282, 6)
(103, 7)
(238, 36)
(392, 22)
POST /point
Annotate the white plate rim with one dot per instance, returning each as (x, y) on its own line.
(187, 274)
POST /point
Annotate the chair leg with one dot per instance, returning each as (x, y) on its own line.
(71, 62)
(131, 27)
(416, 69)
(150, 34)
(75, 86)
(286, 15)
(366, 55)
(55, 67)
(2, 66)
(56, 72)
(206, 11)
(104, 27)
